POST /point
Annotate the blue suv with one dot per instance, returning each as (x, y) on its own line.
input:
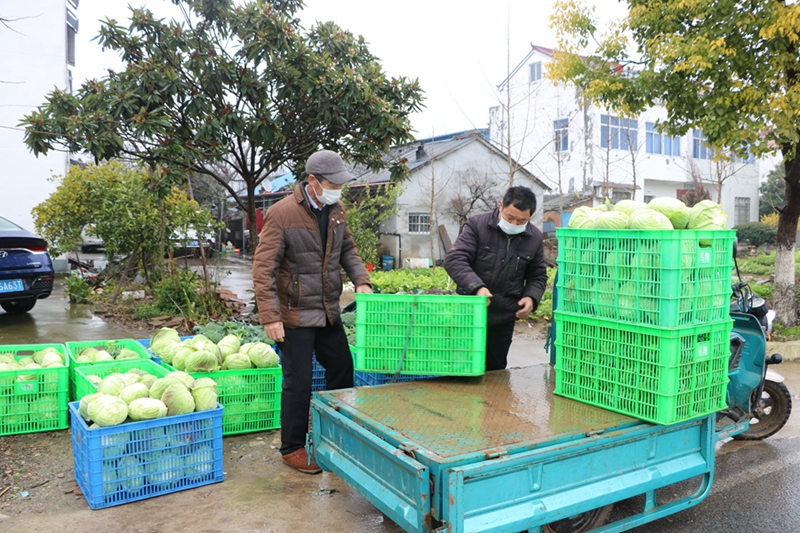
(26, 271)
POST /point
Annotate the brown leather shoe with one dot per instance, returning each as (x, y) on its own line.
(298, 460)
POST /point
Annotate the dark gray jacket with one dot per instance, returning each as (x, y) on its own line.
(509, 266)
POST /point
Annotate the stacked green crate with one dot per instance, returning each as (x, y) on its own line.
(643, 320)
(33, 399)
(113, 347)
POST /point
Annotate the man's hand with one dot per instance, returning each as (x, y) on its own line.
(483, 291)
(274, 331)
(526, 306)
(364, 288)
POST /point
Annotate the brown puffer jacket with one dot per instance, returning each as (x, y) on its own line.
(294, 282)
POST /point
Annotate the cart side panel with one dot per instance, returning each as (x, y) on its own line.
(395, 483)
(522, 491)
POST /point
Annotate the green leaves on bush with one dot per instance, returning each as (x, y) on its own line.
(756, 233)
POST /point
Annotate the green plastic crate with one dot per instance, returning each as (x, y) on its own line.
(654, 277)
(441, 335)
(30, 406)
(251, 398)
(74, 348)
(660, 375)
(83, 386)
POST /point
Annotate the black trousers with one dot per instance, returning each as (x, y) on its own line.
(329, 343)
(498, 341)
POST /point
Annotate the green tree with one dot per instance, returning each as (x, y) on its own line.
(772, 192)
(367, 208)
(728, 68)
(238, 83)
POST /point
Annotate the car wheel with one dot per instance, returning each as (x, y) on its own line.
(16, 307)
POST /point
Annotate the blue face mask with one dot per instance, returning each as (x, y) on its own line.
(511, 229)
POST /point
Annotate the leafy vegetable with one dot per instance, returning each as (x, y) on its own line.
(649, 219)
(675, 210)
(611, 220)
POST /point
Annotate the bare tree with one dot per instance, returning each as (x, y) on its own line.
(433, 191)
(475, 194)
(721, 167)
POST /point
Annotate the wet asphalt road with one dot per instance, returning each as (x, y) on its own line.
(756, 486)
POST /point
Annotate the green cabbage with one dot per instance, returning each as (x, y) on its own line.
(103, 355)
(125, 353)
(131, 474)
(675, 210)
(161, 336)
(146, 409)
(107, 410)
(583, 217)
(202, 361)
(179, 360)
(39, 356)
(611, 220)
(168, 351)
(204, 393)
(182, 377)
(45, 409)
(112, 445)
(110, 478)
(649, 219)
(707, 215)
(134, 392)
(87, 355)
(159, 386)
(229, 345)
(262, 355)
(84, 404)
(178, 399)
(629, 206)
(194, 340)
(237, 361)
(200, 464)
(7, 358)
(148, 380)
(163, 468)
(112, 384)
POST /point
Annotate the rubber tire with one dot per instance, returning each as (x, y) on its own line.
(17, 307)
(781, 399)
(580, 523)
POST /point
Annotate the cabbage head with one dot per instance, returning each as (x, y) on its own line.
(147, 409)
(237, 361)
(106, 410)
(159, 386)
(83, 406)
(611, 220)
(38, 357)
(7, 358)
(87, 355)
(707, 215)
(649, 219)
(112, 384)
(168, 351)
(94, 380)
(163, 335)
(204, 393)
(197, 338)
(229, 345)
(125, 353)
(262, 355)
(675, 210)
(628, 206)
(131, 474)
(179, 360)
(134, 392)
(202, 361)
(174, 388)
(51, 359)
(181, 377)
(583, 217)
(103, 355)
(147, 380)
(178, 399)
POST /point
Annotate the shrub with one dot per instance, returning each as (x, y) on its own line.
(78, 290)
(756, 233)
(176, 293)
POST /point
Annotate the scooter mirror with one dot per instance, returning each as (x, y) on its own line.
(735, 247)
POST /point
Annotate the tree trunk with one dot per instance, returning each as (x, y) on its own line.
(251, 213)
(784, 297)
(198, 233)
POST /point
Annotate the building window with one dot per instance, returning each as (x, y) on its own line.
(741, 211)
(616, 196)
(700, 149)
(70, 45)
(561, 135)
(647, 198)
(419, 223)
(536, 71)
(618, 133)
(656, 143)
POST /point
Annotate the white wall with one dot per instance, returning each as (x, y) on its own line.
(32, 63)
(474, 158)
(536, 105)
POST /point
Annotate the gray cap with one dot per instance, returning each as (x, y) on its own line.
(329, 165)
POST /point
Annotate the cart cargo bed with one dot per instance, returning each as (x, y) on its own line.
(500, 451)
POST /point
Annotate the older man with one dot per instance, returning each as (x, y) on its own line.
(304, 242)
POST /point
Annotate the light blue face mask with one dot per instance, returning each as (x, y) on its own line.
(329, 196)
(511, 229)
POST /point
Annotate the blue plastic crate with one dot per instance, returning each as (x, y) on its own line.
(318, 382)
(366, 379)
(138, 460)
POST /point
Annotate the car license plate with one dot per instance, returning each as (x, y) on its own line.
(11, 285)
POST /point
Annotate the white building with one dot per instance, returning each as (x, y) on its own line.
(577, 146)
(37, 51)
(462, 167)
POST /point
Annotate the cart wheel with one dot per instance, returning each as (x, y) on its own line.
(770, 413)
(580, 523)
